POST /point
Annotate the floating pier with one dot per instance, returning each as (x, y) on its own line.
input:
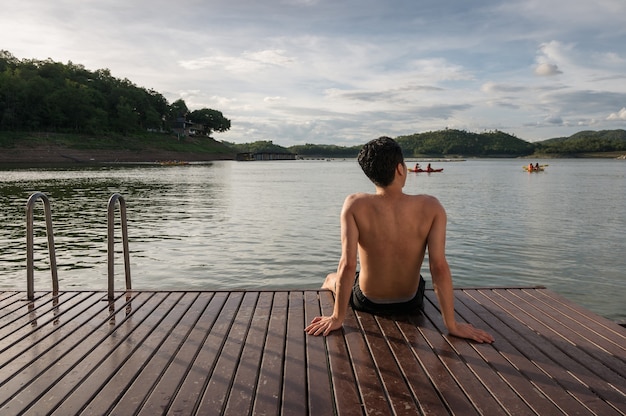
(246, 352)
(139, 352)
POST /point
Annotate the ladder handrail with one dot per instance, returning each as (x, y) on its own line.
(111, 242)
(30, 262)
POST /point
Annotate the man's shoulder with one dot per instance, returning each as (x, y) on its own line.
(358, 196)
(423, 198)
(424, 202)
(357, 201)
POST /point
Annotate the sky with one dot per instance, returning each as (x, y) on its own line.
(346, 71)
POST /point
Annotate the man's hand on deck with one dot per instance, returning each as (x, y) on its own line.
(468, 331)
(323, 325)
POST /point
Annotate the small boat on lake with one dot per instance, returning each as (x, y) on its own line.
(534, 168)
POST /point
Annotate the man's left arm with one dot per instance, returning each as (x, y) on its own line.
(346, 273)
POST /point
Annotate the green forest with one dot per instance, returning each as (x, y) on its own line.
(64, 103)
(54, 97)
(451, 143)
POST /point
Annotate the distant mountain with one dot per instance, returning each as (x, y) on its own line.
(460, 143)
(450, 142)
(325, 150)
(584, 142)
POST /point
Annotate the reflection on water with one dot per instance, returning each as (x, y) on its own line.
(275, 224)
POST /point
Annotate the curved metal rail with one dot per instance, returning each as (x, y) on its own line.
(30, 263)
(111, 242)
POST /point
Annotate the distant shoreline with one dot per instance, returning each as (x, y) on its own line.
(46, 154)
(51, 154)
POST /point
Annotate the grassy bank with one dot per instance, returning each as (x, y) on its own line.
(43, 147)
(152, 141)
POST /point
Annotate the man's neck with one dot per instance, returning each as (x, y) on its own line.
(389, 191)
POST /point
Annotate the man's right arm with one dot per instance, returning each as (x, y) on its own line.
(439, 268)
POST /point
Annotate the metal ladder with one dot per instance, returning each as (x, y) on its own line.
(30, 269)
(30, 263)
(111, 242)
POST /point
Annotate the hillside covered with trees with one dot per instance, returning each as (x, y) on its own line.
(54, 97)
(459, 143)
(584, 142)
(450, 142)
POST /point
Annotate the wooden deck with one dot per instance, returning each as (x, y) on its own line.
(245, 352)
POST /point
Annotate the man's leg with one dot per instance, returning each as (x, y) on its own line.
(330, 282)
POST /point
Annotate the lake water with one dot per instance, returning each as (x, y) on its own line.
(227, 225)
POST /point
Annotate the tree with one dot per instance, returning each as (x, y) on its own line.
(260, 146)
(211, 120)
(177, 110)
(48, 95)
(126, 117)
(7, 60)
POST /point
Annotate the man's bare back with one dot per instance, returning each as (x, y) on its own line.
(390, 231)
(393, 230)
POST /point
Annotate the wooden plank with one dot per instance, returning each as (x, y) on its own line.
(243, 391)
(602, 380)
(9, 303)
(7, 298)
(194, 385)
(129, 345)
(167, 389)
(294, 381)
(579, 349)
(217, 390)
(133, 382)
(605, 328)
(402, 334)
(512, 390)
(269, 390)
(31, 323)
(29, 359)
(543, 356)
(320, 398)
(345, 388)
(245, 352)
(593, 329)
(394, 388)
(40, 383)
(368, 383)
(460, 388)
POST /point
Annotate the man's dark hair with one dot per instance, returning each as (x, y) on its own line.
(379, 159)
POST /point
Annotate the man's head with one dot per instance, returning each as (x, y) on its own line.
(379, 159)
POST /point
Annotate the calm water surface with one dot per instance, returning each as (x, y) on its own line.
(231, 225)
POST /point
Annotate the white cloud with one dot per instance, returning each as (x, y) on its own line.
(550, 56)
(273, 99)
(546, 70)
(620, 115)
(246, 62)
(493, 87)
(554, 120)
(612, 58)
(293, 71)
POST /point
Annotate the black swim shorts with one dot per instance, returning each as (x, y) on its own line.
(359, 302)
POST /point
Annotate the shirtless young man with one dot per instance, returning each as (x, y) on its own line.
(390, 231)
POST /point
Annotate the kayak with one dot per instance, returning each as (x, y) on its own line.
(425, 170)
(534, 169)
